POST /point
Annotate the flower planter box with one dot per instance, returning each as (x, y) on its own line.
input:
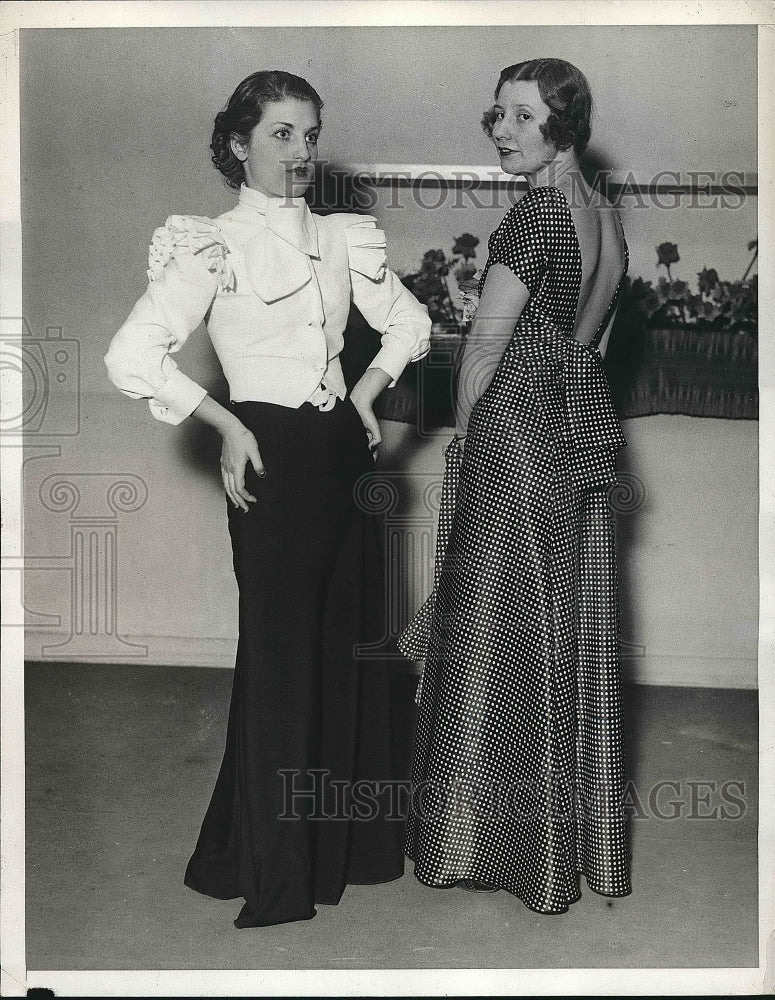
(424, 394)
(698, 373)
(681, 370)
(672, 350)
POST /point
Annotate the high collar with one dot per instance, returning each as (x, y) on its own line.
(278, 257)
(288, 218)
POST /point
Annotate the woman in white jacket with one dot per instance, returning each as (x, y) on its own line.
(295, 813)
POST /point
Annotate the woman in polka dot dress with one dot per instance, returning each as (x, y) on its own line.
(518, 770)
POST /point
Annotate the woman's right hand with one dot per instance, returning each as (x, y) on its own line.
(239, 447)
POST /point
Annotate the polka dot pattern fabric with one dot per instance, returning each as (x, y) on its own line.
(518, 773)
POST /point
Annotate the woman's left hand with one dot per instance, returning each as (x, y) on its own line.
(370, 422)
(363, 394)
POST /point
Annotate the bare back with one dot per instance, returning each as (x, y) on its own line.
(603, 261)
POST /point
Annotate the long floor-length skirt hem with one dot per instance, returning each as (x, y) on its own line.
(452, 881)
(307, 717)
(521, 685)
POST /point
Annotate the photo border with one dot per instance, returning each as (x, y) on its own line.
(16, 979)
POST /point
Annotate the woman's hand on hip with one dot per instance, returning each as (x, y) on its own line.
(363, 394)
(239, 447)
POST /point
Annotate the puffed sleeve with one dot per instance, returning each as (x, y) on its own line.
(520, 242)
(187, 263)
(386, 304)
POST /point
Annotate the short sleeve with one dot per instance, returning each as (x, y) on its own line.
(520, 241)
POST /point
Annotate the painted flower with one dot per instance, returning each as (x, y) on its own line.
(667, 254)
(465, 246)
(434, 262)
(707, 280)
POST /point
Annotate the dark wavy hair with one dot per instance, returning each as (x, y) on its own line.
(564, 90)
(244, 111)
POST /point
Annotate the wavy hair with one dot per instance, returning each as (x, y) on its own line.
(245, 110)
(564, 90)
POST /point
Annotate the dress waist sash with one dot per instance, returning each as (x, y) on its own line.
(571, 383)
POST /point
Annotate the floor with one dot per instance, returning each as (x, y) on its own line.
(120, 764)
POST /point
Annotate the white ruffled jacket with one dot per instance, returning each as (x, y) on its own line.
(273, 283)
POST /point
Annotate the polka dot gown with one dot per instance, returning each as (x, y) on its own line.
(518, 772)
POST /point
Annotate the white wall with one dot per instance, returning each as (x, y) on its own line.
(688, 555)
(115, 130)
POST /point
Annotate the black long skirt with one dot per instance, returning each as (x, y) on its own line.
(303, 804)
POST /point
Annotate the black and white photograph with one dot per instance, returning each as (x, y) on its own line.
(388, 529)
